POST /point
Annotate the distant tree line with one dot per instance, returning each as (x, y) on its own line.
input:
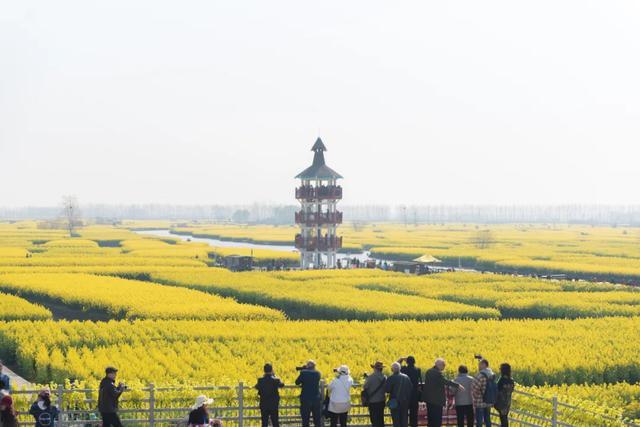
(362, 214)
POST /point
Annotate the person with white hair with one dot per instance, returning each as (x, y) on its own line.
(399, 387)
(340, 396)
(433, 392)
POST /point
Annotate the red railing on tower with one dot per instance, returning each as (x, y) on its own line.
(309, 192)
(314, 218)
(323, 243)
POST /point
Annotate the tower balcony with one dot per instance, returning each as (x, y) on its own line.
(324, 192)
(314, 218)
(325, 243)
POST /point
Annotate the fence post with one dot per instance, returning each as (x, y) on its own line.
(60, 400)
(323, 387)
(152, 405)
(240, 404)
(554, 415)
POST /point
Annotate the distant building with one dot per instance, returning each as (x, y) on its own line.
(238, 262)
(318, 217)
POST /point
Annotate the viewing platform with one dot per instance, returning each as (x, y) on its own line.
(324, 192)
(319, 244)
(313, 218)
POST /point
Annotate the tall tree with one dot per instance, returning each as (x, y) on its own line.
(71, 213)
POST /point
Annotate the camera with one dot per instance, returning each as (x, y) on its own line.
(301, 368)
(478, 356)
(123, 387)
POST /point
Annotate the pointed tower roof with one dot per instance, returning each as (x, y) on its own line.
(318, 169)
(319, 145)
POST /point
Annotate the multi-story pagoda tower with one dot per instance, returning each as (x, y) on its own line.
(318, 217)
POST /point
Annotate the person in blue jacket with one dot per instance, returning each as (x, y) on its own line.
(43, 411)
(5, 380)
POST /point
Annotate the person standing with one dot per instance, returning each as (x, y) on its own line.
(463, 398)
(374, 389)
(484, 393)
(398, 386)
(43, 411)
(415, 375)
(433, 392)
(108, 397)
(505, 390)
(340, 396)
(5, 380)
(269, 391)
(8, 416)
(310, 398)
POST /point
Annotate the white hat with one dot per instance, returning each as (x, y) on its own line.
(201, 401)
(343, 370)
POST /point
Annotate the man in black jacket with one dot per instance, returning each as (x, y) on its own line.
(108, 396)
(398, 386)
(415, 375)
(268, 389)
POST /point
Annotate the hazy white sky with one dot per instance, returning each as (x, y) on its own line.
(418, 102)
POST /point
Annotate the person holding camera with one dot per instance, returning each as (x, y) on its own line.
(373, 394)
(484, 393)
(108, 397)
(415, 375)
(310, 397)
(269, 391)
(398, 386)
(433, 392)
(340, 396)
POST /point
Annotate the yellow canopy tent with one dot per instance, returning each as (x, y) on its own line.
(427, 259)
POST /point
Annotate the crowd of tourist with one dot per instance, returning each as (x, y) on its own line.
(406, 393)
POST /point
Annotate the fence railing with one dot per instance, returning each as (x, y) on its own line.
(237, 406)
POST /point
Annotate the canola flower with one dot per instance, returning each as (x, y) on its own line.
(16, 308)
(130, 299)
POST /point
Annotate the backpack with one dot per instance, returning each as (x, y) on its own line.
(491, 390)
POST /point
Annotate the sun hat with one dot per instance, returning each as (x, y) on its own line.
(45, 392)
(343, 370)
(201, 401)
(378, 365)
